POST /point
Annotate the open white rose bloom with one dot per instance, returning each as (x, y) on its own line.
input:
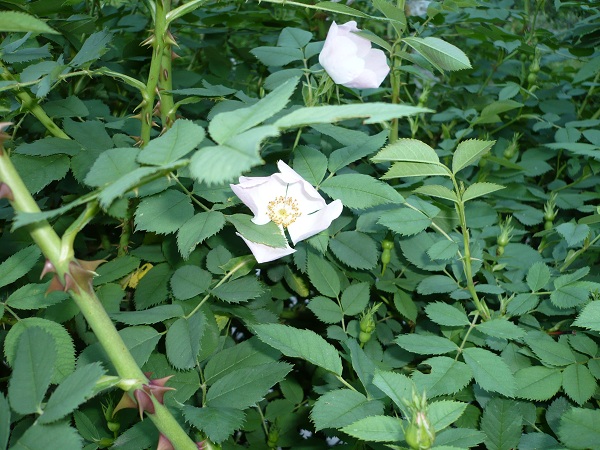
(349, 59)
(291, 202)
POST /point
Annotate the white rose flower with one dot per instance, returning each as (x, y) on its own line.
(349, 59)
(291, 202)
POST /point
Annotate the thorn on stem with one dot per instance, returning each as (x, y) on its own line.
(5, 191)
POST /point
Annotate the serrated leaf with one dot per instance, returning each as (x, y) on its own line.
(490, 371)
(20, 22)
(92, 49)
(573, 233)
(322, 275)
(326, 310)
(501, 328)
(437, 284)
(41, 170)
(355, 299)
(443, 250)
(65, 350)
(468, 152)
(537, 383)
(141, 341)
(111, 165)
(446, 376)
(148, 316)
(490, 113)
(19, 264)
(580, 428)
(415, 249)
(183, 341)
(72, 392)
(459, 438)
(336, 409)
(549, 351)
(198, 228)
(189, 281)
(183, 137)
(412, 169)
(589, 317)
(502, 422)
(58, 435)
(305, 344)
(436, 190)
(360, 191)
(538, 276)
(443, 413)
(240, 290)
(407, 150)
(396, 386)
(277, 56)
(245, 387)
(4, 421)
(572, 294)
(268, 234)
(578, 383)
(447, 315)
(217, 423)
(32, 370)
(404, 221)
(376, 429)
(310, 164)
(359, 147)
(426, 344)
(479, 190)
(164, 213)
(355, 249)
(441, 54)
(153, 289)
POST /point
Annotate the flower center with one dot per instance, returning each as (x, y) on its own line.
(283, 211)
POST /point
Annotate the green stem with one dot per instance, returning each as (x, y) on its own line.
(167, 425)
(464, 341)
(165, 78)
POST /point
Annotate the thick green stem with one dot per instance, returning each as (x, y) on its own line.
(165, 79)
(30, 104)
(167, 425)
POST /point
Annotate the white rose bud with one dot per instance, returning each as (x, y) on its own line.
(349, 59)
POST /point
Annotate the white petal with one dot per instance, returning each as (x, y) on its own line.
(265, 253)
(309, 225)
(257, 195)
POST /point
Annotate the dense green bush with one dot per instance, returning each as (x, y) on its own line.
(454, 302)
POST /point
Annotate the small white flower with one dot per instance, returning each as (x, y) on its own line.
(349, 59)
(291, 202)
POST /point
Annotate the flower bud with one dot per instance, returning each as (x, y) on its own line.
(367, 324)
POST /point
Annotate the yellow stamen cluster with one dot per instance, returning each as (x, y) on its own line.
(283, 211)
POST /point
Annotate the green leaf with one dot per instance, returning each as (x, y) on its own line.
(573, 233)
(411, 150)
(415, 250)
(189, 281)
(501, 328)
(360, 191)
(341, 407)
(426, 344)
(72, 392)
(490, 371)
(578, 383)
(116, 269)
(148, 316)
(411, 169)
(59, 435)
(326, 310)
(41, 170)
(538, 276)
(111, 165)
(355, 249)
(437, 284)
(66, 107)
(19, 264)
(549, 351)
(140, 341)
(305, 344)
(395, 14)
(446, 376)
(65, 350)
(228, 124)
(20, 22)
(468, 152)
(355, 299)
(441, 54)
(443, 250)
(459, 438)
(447, 315)
(502, 422)
(310, 164)
(268, 234)
(376, 429)
(443, 413)
(92, 49)
(4, 421)
(538, 383)
(153, 287)
(479, 190)
(436, 190)
(183, 137)
(491, 113)
(589, 317)
(240, 290)
(164, 213)
(32, 370)
(572, 294)
(404, 221)
(245, 387)
(49, 146)
(277, 56)
(197, 229)
(361, 146)
(322, 275)
(183, 341)
(218, 423)
(371, 112)
(396, 386)
(580, 428)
